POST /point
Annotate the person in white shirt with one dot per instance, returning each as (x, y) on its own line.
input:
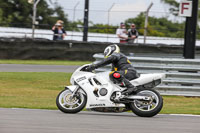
(122, 33)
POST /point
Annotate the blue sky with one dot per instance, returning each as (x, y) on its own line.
(122, 9)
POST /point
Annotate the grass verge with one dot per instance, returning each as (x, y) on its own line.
(31, 90)
(38, 90)
(44, 62)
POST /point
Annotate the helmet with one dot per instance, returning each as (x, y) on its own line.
(111, 49)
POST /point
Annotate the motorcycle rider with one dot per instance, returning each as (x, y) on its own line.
(122, 70)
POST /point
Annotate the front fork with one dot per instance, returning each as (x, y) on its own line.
(74, 89)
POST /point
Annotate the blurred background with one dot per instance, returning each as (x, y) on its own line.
(105, 17)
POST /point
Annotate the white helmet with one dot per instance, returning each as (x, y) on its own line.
(111, 49)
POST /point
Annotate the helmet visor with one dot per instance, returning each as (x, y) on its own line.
(107, 52)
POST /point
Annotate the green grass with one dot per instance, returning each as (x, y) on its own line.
(44, 62)
(38, 90)
(181, 105)
(31, 90)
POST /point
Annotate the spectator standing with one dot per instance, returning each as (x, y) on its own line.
(59, 32)
(122, 33)
(132, 34)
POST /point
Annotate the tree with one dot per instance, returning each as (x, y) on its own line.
(102, 28)
(174, 6)
(18, 13)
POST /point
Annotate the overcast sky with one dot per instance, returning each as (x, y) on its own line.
(121, 9)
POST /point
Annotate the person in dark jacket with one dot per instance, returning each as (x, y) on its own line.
(122, 70)
(59, 32)
(132, 34)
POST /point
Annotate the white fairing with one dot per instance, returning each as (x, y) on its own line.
(147, 78)
(87, 81)
(72, 87)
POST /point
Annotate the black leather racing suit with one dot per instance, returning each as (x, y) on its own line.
(121, 65)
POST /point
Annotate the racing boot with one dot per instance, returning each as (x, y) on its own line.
(130, 88)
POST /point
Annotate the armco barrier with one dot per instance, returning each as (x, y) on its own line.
(42, 49)
(182, 75)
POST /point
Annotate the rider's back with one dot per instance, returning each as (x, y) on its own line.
(121, 62)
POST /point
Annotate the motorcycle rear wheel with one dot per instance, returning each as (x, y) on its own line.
(147, 108)
(68, 104)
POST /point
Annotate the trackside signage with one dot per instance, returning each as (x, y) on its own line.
(185, 8)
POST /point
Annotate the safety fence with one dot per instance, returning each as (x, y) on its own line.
(182, 75)
(78, 36)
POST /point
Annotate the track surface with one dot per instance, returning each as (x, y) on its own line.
(54, 121)
(36, 68)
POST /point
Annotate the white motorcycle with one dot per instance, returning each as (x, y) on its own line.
(96, 92)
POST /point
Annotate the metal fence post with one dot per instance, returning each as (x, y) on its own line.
(109, 17)
(74, 18)
(146, 22)
(86, 15)
(34, 16)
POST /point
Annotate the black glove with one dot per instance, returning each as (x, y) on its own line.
(90, 68)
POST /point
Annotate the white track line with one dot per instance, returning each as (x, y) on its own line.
(185, 115)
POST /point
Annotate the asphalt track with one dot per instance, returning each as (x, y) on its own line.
(54, 121)
(36, 68)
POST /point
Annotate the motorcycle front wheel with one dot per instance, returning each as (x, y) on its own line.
(148, 108)
(68, 104)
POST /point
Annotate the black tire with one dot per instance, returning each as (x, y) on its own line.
(64, 108)
(149, 113)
